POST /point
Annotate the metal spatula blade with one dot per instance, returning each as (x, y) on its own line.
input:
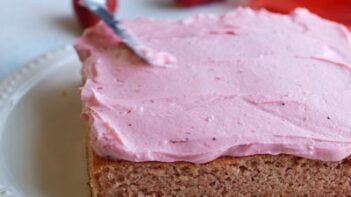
(131, 42)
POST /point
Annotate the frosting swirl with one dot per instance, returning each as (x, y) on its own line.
(243, 83)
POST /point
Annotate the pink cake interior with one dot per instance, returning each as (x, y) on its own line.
(243, 83)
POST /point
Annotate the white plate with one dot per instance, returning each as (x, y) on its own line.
(42, 142)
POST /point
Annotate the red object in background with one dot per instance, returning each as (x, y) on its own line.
(88, 19)
(188, 3)
(337, 10)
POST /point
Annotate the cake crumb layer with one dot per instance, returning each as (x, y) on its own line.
(260, 175)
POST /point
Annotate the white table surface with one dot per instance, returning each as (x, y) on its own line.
(29, 28)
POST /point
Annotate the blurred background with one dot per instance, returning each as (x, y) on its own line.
(29, 28)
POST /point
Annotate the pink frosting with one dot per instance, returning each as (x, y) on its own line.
(156, 58)
(244, 83)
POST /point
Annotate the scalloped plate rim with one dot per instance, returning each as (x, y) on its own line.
(12, 89)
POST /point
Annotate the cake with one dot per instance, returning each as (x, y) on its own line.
(250, 103)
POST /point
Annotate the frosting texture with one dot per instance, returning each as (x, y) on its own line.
(242, 83)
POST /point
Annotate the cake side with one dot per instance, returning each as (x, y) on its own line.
(259, 175)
